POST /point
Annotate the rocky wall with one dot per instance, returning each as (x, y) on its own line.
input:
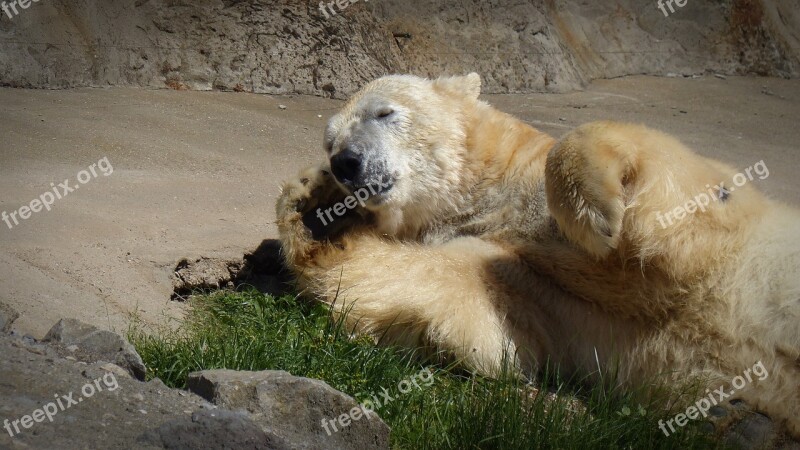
(331, 49)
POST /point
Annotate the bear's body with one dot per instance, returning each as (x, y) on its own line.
(491, 237)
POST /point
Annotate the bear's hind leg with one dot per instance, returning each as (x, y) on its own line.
(631, 190)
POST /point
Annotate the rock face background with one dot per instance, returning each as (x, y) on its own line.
(286, 46)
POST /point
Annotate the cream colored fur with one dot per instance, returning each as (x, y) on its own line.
(496, 237)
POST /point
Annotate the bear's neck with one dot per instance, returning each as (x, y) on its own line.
(501, 149)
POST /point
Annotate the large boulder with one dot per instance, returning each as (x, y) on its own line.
(95, 344)
(213, 429)
(294, 408)
(52, 401)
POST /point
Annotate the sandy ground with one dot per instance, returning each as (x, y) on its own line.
(196, 174)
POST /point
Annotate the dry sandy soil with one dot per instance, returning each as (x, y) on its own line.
(197, 173)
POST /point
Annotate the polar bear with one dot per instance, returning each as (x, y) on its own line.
(439, 222)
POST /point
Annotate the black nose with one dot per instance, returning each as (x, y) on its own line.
(346, 166)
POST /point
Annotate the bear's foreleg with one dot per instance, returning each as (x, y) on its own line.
(433, 297)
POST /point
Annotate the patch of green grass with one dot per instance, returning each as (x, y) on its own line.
(251, 331)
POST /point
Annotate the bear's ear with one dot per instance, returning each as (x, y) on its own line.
(462, 86)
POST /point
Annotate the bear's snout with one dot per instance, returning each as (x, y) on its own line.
(347, 167)
(355, 169)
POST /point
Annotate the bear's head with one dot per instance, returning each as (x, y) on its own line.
(402, 138)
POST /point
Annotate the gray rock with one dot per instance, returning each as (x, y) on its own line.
(97, 345)
(293, 408)
(214, 430)
(7, 317)
(109, 410)
(118, 411)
